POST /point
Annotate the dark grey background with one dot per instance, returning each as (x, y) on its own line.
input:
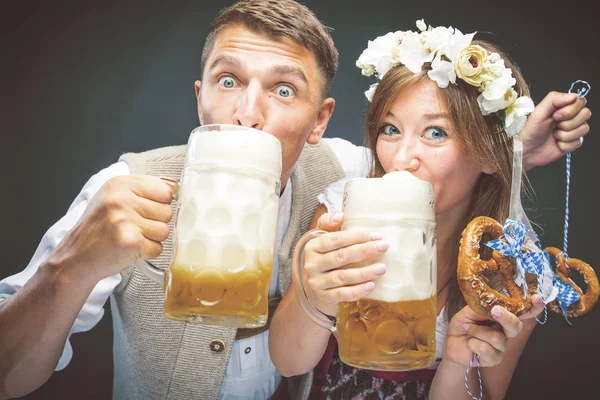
(83, 82)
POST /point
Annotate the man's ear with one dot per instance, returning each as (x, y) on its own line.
(197, 85)
(320, 126)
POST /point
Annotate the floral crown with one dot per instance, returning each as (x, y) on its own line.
(451, 55)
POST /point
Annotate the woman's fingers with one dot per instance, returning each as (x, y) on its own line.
(339, 249)
(348, 293)
(489, 356)
(537, 307)
(347, 276)
(330, 222)
(493, 336)
(510, 323)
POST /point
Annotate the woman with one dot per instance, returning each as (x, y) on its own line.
(434, 114)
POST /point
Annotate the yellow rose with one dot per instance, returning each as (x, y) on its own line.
(470, 63)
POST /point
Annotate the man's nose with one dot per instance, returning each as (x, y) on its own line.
(249, 110)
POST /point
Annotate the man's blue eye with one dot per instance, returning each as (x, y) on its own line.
(227, 82)
(284, 91)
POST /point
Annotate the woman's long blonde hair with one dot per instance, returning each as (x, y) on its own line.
(480, 138)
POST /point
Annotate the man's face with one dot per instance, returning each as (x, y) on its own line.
(252, 80)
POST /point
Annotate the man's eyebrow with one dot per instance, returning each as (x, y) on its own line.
(289, 70)
(229, 61)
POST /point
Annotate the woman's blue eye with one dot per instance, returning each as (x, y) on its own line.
(227, 82)
(389, 130)
(284, 91)
(435, 133)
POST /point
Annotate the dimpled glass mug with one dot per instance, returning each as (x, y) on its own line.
(393, 328)
(225, 226)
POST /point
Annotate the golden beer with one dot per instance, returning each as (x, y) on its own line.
(212, 294)
(396, 336)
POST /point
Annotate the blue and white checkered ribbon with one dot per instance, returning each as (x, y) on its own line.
(511, 243)
(566, 296)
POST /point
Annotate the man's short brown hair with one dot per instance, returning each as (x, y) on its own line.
(280, 18)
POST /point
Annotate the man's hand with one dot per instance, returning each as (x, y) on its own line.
(126, 220)
(556, 127)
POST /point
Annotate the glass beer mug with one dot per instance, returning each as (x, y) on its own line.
(225, 226)
(393, 328)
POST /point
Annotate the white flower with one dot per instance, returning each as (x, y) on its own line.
(369, 93)
(442, 72)
(516, 115)
(457, 43)
(496, 89)
(412, 53)
(421, 25)
(489, 106)
(380, 55)
(437, 38)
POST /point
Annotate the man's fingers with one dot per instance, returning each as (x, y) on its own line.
(581, 117)
(571, 136)
(154, 230)
(153, 210)
(510, 323)
(554, 101)
(569, 147)
(569, 110)
(350, 276)
(330, 222)
(151, 188)
(151, 249)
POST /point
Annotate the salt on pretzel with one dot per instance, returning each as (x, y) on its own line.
(472, 271)
(563, 270)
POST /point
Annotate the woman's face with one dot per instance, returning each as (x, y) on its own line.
(416, 135)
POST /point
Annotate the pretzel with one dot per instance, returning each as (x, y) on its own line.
(478, 294)
(563, 270)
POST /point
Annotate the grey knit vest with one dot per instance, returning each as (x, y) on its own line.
(156, 358)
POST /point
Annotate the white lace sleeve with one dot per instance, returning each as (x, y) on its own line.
(333, 195)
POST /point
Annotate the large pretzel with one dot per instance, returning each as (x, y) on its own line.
(563, 271)
(472, 270)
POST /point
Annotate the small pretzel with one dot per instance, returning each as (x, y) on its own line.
(563, 270)
(478, 294)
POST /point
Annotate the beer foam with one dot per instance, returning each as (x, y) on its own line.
(235, 146)
(397, 194)
(400, 206)
(223, 231)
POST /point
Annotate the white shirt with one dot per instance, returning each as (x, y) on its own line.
(250, 373)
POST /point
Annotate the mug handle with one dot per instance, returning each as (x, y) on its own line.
(317, 316)
(145, 266)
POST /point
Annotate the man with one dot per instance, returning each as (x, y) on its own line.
(267, 64)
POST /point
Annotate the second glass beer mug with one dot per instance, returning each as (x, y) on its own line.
(393, 328)
(224, 236)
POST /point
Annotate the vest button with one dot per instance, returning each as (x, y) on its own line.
(217, 345)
